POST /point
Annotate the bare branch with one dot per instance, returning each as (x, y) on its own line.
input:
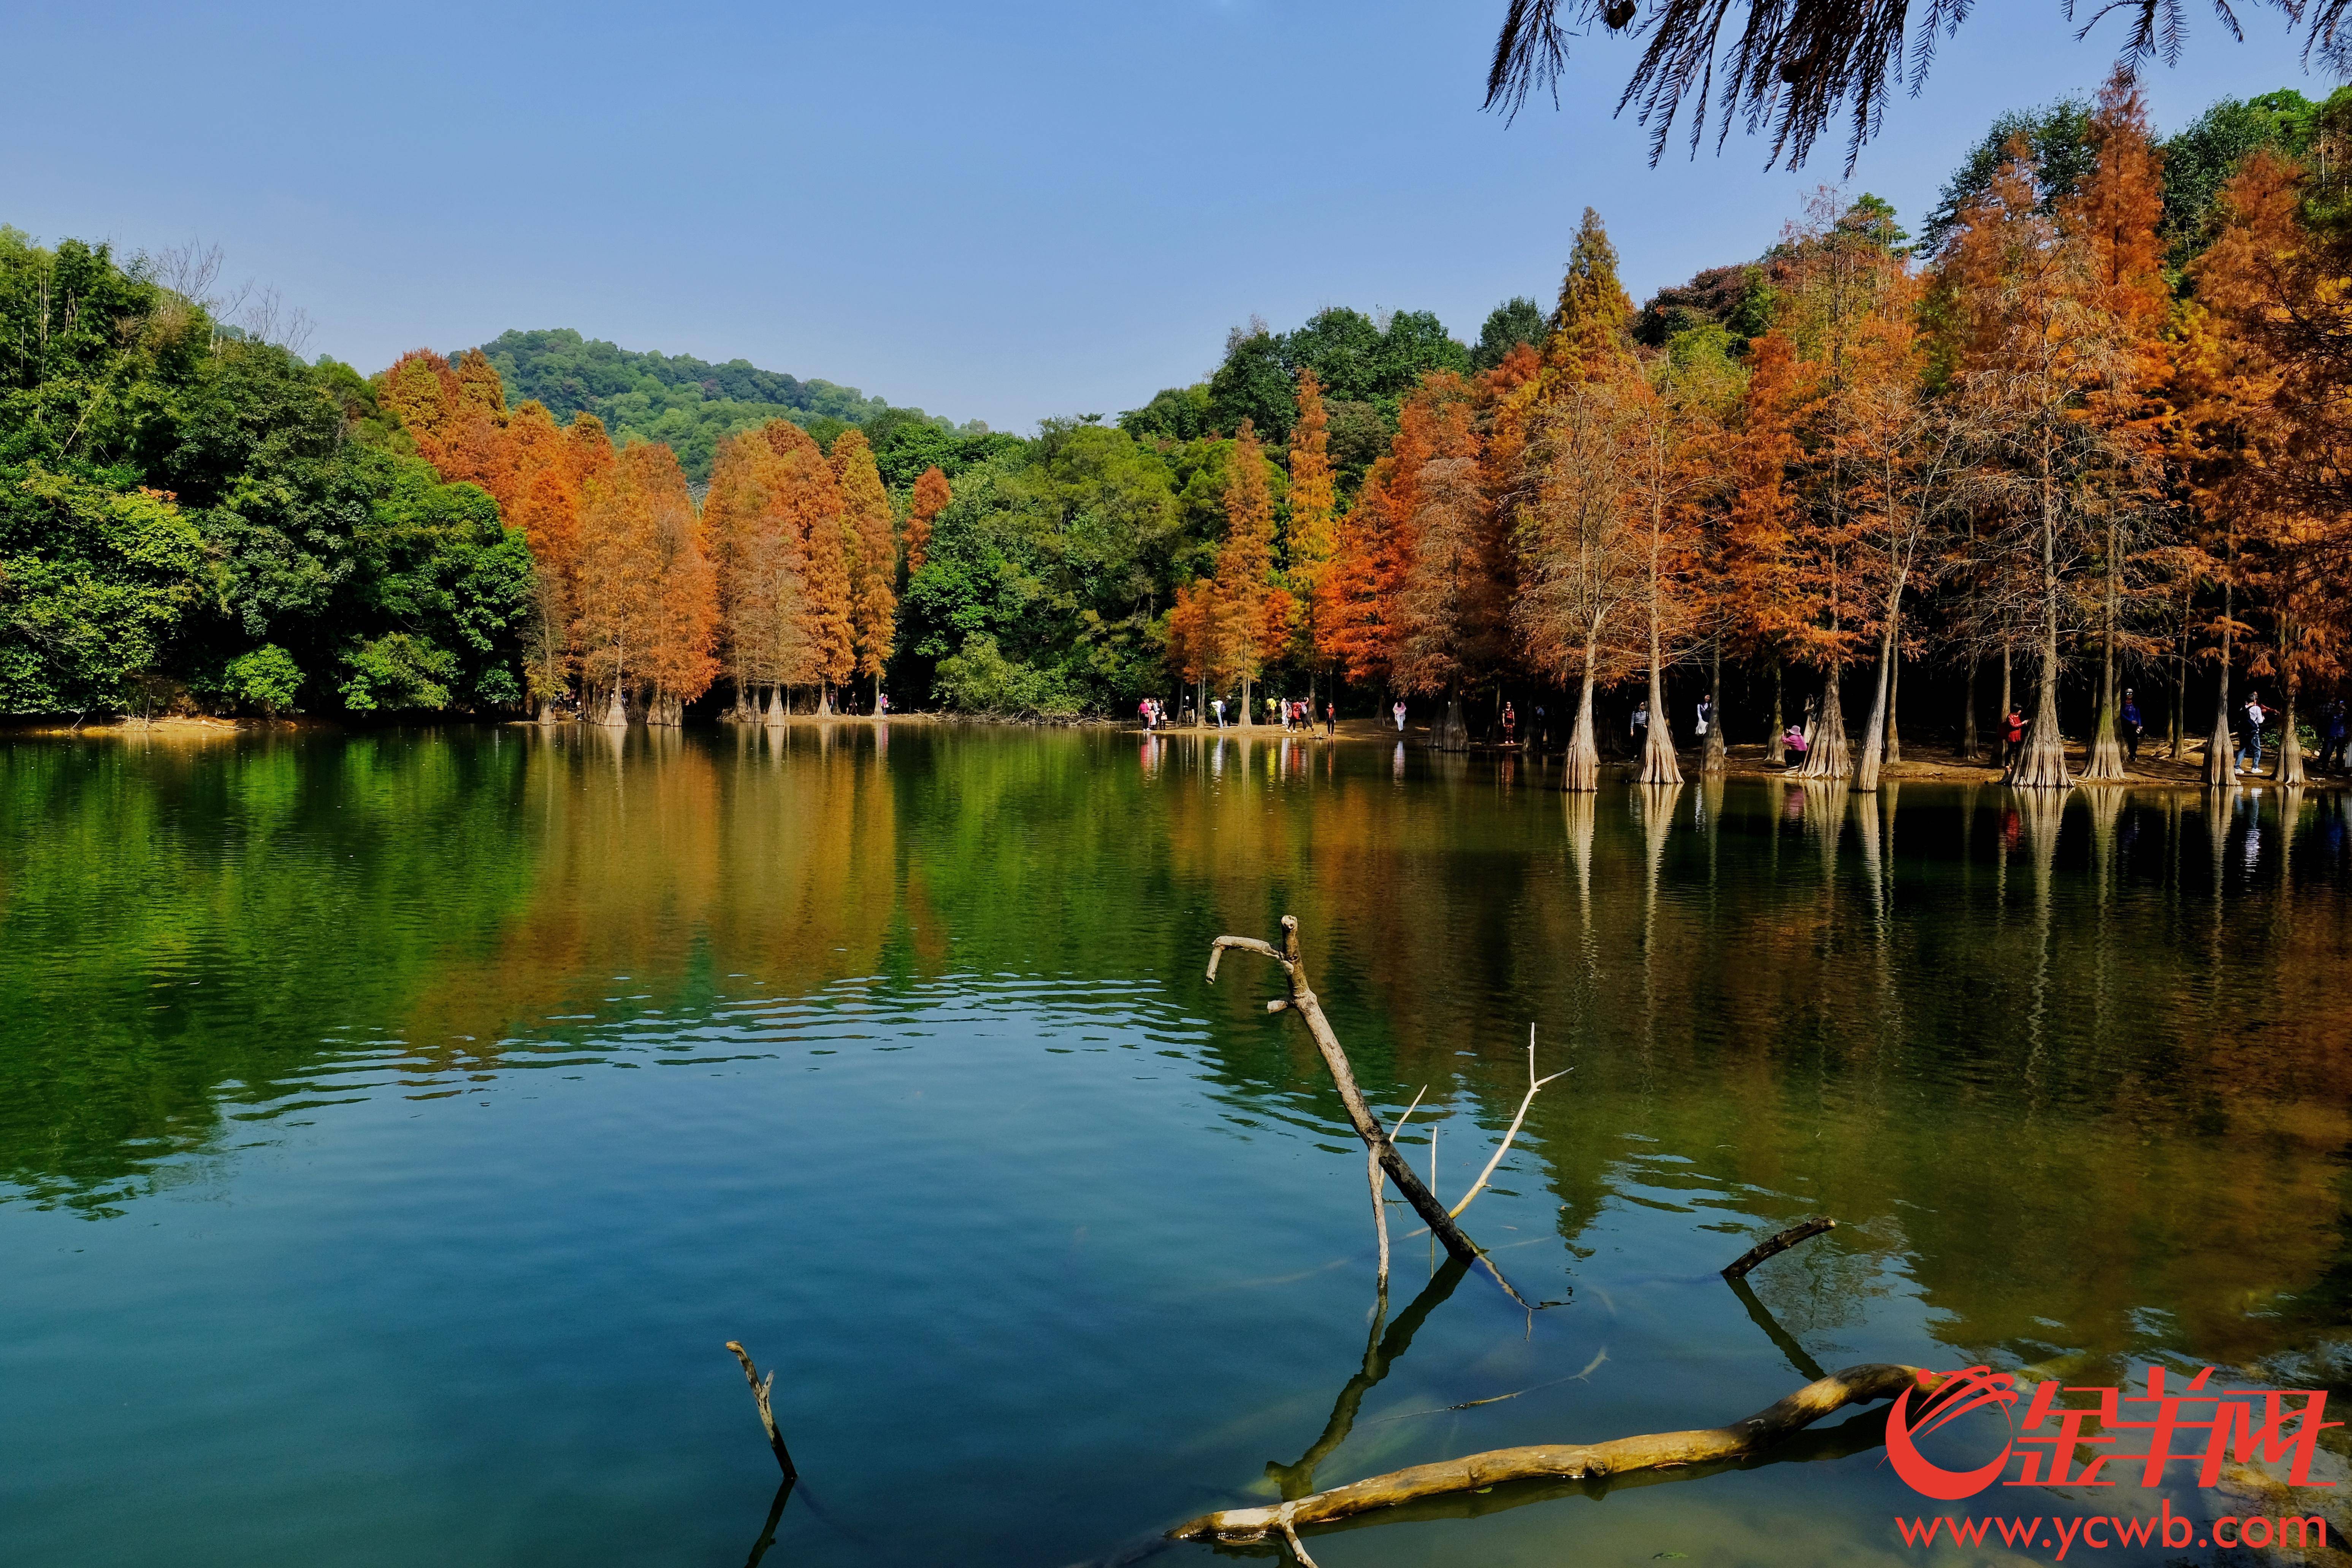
(1773, 1245)
(760, 1386)
(1534, 1084)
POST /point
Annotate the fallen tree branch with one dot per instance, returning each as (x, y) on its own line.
(759, 1390)
(1380, 1194)
(1475, 1472)
(1504, 1148)
(1773, 1245)
(1335, 1059)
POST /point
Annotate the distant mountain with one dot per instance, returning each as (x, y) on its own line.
(691, 403)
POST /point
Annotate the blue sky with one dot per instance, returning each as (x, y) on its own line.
(998, 213)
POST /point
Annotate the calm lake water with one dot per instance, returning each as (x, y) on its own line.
(392, 1129)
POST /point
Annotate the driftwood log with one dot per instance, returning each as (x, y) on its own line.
(1475, 1473)
(1773, 1245)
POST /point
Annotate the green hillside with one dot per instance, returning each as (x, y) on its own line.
(691, 403)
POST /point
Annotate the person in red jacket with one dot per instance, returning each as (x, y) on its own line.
(2012, 735)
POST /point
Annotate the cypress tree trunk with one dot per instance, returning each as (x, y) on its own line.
(1711, 755)
(1971, 747)
(1453, 732)
(1830, 755)
(1874, 736)
(2106, 762)
(2290, 762)
(1895, 705)
(2041, 763)
(1583, 772)
(1658, 763)
(2220, 767)
(1776, 751)
(1248, 718)
(616, 711)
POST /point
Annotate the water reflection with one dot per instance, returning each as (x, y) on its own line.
(2071, 1071)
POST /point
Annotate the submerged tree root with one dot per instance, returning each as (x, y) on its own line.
(1475, 1473)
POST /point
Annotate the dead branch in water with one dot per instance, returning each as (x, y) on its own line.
(1475, 1473)
(1773, 1245)
(760, 1388)
(1534, 1084)
(1380, 1194)
(1302, 1001)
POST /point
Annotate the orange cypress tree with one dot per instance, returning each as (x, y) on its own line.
(1591, 325)
(2115, 216)
(811, 502)
(1244, 576)
(613, 624)
(1357, 619)
(930, 499)
(757, 567)
(873, 554)
(682, 600)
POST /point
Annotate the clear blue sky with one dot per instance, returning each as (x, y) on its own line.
(990, 211)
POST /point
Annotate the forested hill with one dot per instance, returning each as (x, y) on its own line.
(691, 404)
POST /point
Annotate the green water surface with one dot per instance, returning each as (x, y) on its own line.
(393, 1127)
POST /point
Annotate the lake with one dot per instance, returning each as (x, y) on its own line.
(394, 1126)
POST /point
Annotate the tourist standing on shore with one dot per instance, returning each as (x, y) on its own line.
(2012, 734)
(1511, 725)
(1398, 711)
(2131, 724)
(1218, 703)
(2334, 729)
(1642, 727)
(1331, 716)
(2252, 744)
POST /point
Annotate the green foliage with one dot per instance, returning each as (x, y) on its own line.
(1357, 359)
(979, 678)
(906, 443)
(689, 403)
(1177, 413)
(1062, 558)
(1515, 320)
(2058, 137)
(93, 581)
(266, 678)
(183, 506)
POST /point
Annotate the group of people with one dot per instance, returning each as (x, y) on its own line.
(2333, 727)
(1295, 715)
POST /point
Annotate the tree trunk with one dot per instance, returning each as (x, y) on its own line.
(1248, 718)
(1895, 705)
(1830, 756)
(1970, 746)
(2041, 763)
(1873, 737)
(1776, 751)
(1582, 773)
(616, 711)
(1658, 763)
(2180, 716)
(1483, 1473)
(2107, 759)
(2290, 762)
(2221, 766)
(1453, 732)
(1711, 754)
